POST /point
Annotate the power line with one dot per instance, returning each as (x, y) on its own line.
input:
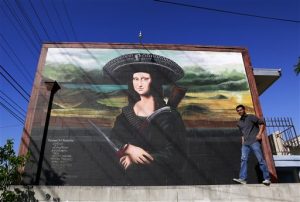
(25, 73)
(11, 59)
(15, 83)
(16, 110)
(51, 23)
(59, 19)
(14, 80)
(16, 28)
(225, 11)
(69, 19)
(16, 17)
(12, 101)
(39, 19)
(12, 113)
(29, 22)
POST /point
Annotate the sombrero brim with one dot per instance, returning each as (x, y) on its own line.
(123, 67)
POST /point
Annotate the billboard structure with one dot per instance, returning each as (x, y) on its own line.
(131, 114)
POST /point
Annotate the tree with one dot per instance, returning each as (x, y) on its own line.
(10, 165)
(297, 67)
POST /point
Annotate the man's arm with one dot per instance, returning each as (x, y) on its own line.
(261, 130)
(261, 124)
(242, 137)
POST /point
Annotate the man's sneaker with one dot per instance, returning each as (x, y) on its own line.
(266, 182)
(241, 181)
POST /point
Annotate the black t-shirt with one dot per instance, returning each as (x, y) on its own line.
(249, 126)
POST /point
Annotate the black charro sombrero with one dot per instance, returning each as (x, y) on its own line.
(120, 69)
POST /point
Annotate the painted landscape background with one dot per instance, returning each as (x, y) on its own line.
(216, 83)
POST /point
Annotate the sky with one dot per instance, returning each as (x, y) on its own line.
(26, 24)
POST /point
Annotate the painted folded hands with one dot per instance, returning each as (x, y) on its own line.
(135, 155)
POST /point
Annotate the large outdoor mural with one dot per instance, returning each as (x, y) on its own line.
(215, 82)
(95, 116)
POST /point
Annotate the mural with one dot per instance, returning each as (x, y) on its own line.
(216, 82)
(88, 138)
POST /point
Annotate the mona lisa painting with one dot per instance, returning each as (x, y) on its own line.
(130, 115)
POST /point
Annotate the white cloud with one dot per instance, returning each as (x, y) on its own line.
(96, 58)
(85, 58)
(211, 61)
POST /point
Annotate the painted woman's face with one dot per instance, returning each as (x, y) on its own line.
(141, 82)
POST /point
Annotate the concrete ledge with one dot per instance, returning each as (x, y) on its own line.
(207, 193)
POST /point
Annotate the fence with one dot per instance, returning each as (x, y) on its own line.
(282, 136)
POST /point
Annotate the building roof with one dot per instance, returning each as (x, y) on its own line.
(264, 78)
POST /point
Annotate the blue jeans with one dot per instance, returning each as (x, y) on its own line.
(246, 149)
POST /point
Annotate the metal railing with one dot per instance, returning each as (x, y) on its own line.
(282, 136)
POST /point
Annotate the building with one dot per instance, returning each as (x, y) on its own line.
(71, 91)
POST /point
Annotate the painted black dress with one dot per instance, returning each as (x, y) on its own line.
(162, 135)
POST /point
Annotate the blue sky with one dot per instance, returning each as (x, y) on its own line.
(271, 43)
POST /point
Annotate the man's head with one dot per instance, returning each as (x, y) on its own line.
(240, 109)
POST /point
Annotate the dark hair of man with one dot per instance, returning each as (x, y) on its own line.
(240, 106)
(156, 90)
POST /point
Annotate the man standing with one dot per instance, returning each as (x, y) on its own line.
(252, 129)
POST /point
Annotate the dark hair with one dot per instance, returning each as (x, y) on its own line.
(240, 106)
(156, 90)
